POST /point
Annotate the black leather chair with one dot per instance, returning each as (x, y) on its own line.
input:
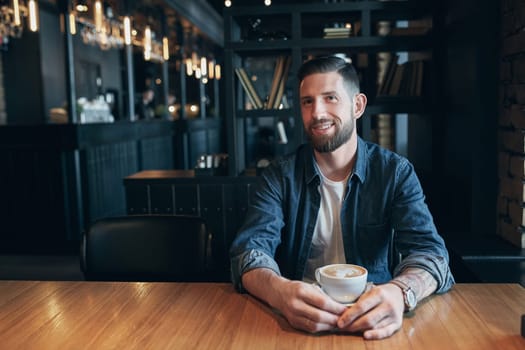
(146, 248)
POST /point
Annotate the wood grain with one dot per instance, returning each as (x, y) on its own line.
(115, 315)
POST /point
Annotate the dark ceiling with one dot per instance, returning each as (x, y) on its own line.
(219, 4)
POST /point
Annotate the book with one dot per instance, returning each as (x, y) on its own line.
(410, 31)
(282, 83)
(384, 87)
(248, 88)
(396, 80)
(402, 79)
(277, 74)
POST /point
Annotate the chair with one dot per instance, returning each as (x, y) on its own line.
(146, 248)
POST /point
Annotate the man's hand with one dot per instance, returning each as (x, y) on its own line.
(304, 305)
(378, 313)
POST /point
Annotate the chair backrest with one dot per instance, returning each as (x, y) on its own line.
(146, 248)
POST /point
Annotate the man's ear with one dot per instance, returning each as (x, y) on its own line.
(359, 105)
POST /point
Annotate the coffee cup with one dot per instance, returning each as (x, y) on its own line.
(342, 282)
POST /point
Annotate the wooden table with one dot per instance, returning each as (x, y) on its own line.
(103, 315)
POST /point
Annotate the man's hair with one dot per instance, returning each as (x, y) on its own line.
(327, 64)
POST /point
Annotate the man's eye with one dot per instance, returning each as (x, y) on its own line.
(331, 98)
(306, 102)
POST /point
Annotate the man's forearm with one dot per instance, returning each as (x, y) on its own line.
(421, 281)
(258, 281)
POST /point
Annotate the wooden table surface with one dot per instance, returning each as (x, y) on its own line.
(119, 315)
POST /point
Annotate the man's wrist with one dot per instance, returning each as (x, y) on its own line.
(409, 296)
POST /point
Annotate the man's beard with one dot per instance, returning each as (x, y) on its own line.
(326, 143)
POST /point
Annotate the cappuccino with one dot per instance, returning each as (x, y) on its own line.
(343, 271)
(343, 282)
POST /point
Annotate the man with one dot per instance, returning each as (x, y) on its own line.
(339, 200)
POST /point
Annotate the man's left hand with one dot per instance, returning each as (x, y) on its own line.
(378, 313)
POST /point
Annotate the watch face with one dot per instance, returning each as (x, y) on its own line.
(411, 299)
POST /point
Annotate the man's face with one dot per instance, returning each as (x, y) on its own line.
(327, 111)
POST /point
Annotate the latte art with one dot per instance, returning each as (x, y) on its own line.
(343, 271)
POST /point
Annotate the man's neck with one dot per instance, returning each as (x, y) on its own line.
(338, 164)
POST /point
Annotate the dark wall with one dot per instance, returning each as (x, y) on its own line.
(52, 65)
(22, 80)
(468, 127)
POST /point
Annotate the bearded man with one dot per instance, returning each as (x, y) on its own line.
(339, 199)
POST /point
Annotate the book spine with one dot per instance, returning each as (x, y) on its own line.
(275, 81)
(256, 100)
(282, 82)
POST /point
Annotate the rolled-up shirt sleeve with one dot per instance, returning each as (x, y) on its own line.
(250, 260)
(436, 265)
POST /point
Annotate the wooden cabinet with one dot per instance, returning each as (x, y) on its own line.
(376, 32)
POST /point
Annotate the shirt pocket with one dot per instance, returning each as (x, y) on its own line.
(373, 246)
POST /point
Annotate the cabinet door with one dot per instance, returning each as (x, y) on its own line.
(161, 199)
(186, 199)
(137, 199)
(211, 210)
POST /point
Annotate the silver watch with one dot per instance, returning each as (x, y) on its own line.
(409, 296)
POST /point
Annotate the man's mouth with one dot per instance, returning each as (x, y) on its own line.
(322, 125)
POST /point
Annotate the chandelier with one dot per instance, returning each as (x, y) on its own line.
(100, 26)
(12, 18)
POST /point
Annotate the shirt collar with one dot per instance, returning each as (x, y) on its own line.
(360, 166)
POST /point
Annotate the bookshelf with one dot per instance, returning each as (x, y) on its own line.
(385, 40)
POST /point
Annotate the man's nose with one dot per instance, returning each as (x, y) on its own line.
(318, 108)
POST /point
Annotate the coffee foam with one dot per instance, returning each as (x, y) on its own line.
(343, 271)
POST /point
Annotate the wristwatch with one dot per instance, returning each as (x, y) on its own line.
(408, 295)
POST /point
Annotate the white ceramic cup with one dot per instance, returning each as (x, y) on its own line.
(342, 282)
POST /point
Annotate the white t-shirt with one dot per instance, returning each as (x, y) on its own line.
(327, 242)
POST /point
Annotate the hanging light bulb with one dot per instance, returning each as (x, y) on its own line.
(16, 13)
(204, 66)
(33, 15)
(165, 49)
(227, 3)
(98, 16)
(211, 69)
(72, 24)
(189, 67)
(147, 43)
(218, 71)
(267, 2)
(127, 30)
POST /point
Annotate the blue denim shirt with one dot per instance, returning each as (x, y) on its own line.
(383, 214)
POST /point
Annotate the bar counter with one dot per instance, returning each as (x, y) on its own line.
(110, 315)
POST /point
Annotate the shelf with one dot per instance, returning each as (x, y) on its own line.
(368, 45)
(261, 113)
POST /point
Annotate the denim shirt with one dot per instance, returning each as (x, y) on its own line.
(383, 215)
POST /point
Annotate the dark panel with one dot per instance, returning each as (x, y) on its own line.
(199, 145)
(161, 199)
(32, 201)
(211, 210)
(186, 199)
(137, 199)
(106, 166)
(157, 153)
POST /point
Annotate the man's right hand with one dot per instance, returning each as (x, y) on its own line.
(305, 306)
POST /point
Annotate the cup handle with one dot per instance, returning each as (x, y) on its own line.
(318, 275)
